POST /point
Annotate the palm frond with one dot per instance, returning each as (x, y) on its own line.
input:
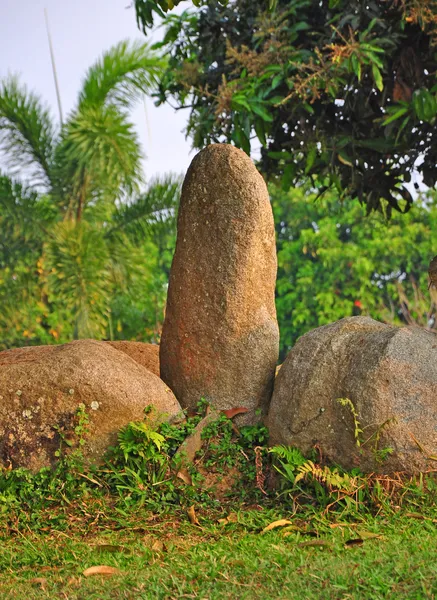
(157, 205)
(129, 264)
(121, 76)
(24, 218)
(79, 281)
(100, 151)
(27, 132)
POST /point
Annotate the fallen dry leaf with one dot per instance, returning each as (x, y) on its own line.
(101, 570)
(185, 476)
(290, 529)
(192, 516)
(315, 544)
(354, 542)
(275, 524)
(41, 581)
(420, 516)
(334, 525)
(158, 546)
(232, 412)
(231, 518)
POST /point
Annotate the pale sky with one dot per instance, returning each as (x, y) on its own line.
(81, 30)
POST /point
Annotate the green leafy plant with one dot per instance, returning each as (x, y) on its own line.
(74, 225)
(289, 459)
(343, 93)
(334, 262)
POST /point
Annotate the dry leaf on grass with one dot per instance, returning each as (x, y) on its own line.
(192, 516)
(420, 516)
(275, 524)
(158, 546)
(354, 542)
(41, 581)
(185, 476)
(101, 570)
(231, 518)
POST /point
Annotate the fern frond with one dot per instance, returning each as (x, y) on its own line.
(329, 476)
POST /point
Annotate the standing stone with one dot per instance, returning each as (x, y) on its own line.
(220, 337)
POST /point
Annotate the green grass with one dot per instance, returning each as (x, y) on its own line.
(348, 537)
(168, 557)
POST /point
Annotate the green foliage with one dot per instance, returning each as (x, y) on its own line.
(121, 77)
(339, 92)
(148, 10)
(289, 459)
(334, 262)
(78, 227)
(328, 485)
(27, 132)
(79, 259)
(328, 476)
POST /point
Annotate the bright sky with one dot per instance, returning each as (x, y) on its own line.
(81, 30)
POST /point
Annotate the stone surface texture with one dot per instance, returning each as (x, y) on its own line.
(220, 336)
(144, 354)
(41, 388)
(390, 376)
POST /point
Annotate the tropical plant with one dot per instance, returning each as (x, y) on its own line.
(334, 262)
(342, 91)
(76, 226)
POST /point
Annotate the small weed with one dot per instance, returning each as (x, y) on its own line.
(357, 428)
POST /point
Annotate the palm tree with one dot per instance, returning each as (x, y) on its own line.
(74, 225)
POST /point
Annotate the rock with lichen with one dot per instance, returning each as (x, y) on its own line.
(42, 387)
(363, 393)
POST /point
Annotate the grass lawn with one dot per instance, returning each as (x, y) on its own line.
(168, 531)
(318, 556)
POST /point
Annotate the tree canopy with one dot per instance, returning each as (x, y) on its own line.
(342, 91)
(335, 262)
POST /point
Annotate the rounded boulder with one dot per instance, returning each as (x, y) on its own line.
(41, 388)
(146, 355)
(363, 393)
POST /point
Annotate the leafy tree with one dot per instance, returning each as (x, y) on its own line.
(334, 262)
(71, 227)
(343, 91)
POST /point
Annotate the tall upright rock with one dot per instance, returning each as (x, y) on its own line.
(220, 337)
